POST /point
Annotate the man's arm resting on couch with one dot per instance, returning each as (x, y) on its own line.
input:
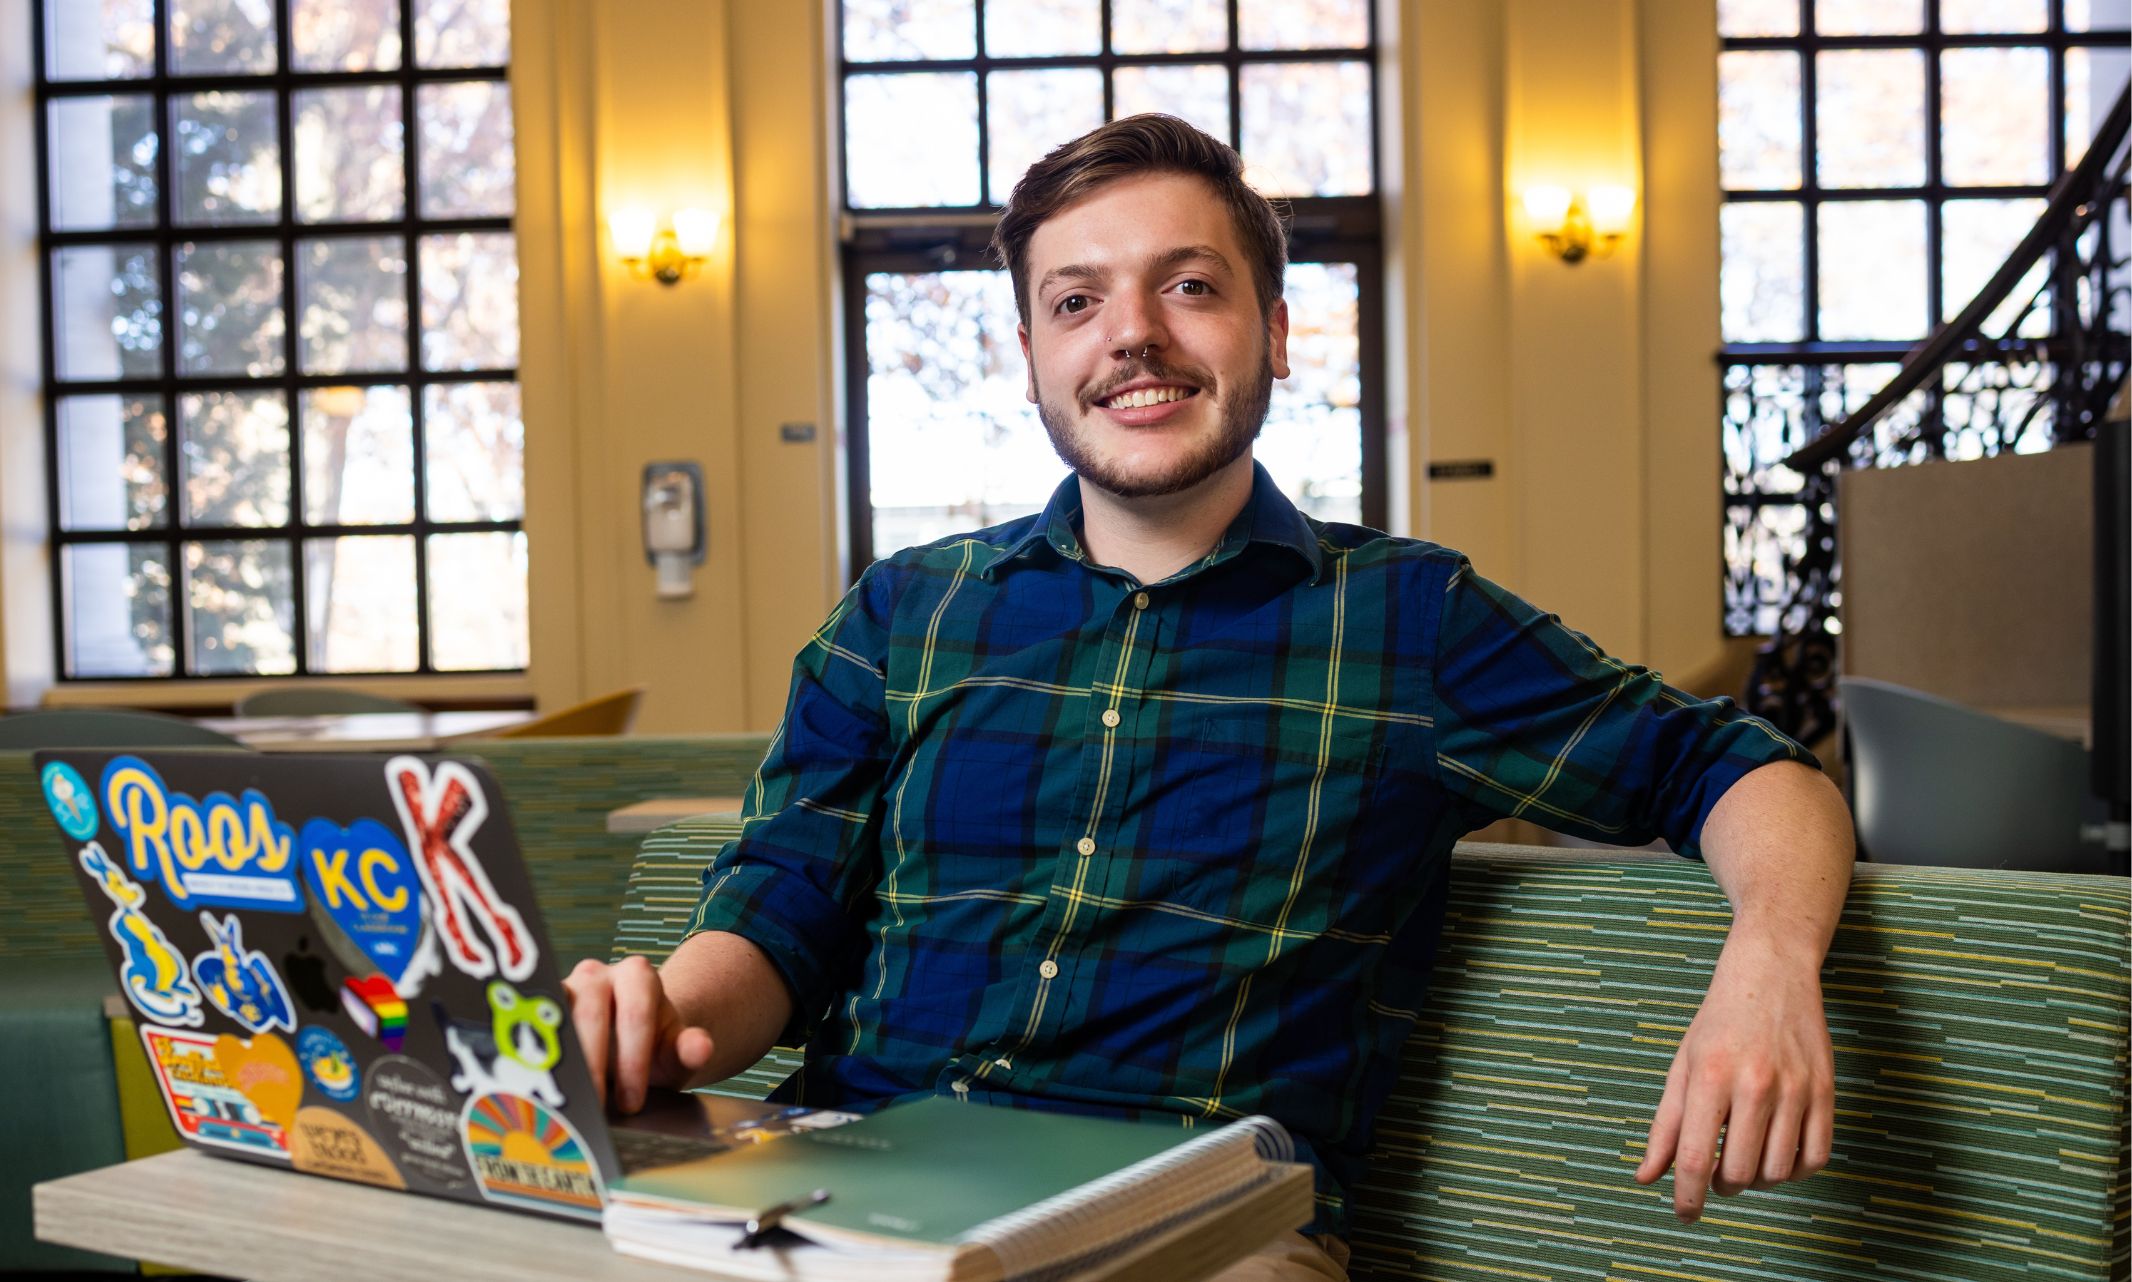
(713, 1008)
(1757, 1061)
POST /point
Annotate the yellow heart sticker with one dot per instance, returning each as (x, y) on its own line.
(265, 1070)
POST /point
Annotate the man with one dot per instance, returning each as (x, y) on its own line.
(1144, 805)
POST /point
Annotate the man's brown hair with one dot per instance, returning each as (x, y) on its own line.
(1143, 144)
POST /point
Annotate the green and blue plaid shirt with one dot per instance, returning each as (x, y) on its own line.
(1032, 833)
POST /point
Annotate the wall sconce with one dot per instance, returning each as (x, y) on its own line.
(664, 251)
(1577, 227)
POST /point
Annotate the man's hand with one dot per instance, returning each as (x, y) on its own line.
(1757, 1063)
(631, 1032)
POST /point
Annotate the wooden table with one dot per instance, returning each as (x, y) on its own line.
(239, 1220)
(2066, 722)
(363, 731)
(661, 811)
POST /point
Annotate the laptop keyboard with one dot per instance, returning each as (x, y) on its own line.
(643, 1150)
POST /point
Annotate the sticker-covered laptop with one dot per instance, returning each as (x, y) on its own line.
(336, 965)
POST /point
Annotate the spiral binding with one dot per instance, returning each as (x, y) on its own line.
(1052, 1238)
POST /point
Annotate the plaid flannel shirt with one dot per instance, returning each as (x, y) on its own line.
(1033, 833)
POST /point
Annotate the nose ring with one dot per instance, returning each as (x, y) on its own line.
(1145, 350)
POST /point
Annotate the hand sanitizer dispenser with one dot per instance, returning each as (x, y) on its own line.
(673, 525)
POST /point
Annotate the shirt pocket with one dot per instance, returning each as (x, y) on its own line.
(1262, 769)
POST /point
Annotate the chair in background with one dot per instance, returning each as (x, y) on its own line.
(318, 701)
(609, 714)
(99, 728)
(1934, 782)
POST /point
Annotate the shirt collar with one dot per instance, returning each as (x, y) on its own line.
(1267, 518)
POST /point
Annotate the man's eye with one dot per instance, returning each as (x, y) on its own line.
(1194, 288)
(1073, 303)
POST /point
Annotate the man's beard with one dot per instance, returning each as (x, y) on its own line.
(1242, 417)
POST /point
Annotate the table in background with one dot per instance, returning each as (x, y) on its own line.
(644, 816)
(363, 731)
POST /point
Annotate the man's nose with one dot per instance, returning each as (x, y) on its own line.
(1137, 325)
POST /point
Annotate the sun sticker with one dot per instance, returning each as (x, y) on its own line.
(527, 1156)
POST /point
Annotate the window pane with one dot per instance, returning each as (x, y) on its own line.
(240, 607)
(1034, 111)
(1961, 17)
(117, 605)
(1329, 158)
(2097, 15)
(359, 456)
(887, 163)
(208, 36)
(1195, 92)
(1975, 238)
(1303, 24)
(903, 30)
(467, 168)
(1995, 117)
(227, 157)
(1759, 120)
(476, 443)
(1168, 26)
(470, 301)
(229, 307)
(1040, 28)
(114, 40)
(1869, 17)
(107, 306)
(2093, 79)
(477, 601)
(1872, 274)
(1763, 281)
(1312, 442)
(111, 463)
(351, 301)
(108, 175)
(233, 458)
(359, 602)
(350, 166)
(1758, 17)
(953, 443)
(345, 35)
(1870, 115)
(462, 33)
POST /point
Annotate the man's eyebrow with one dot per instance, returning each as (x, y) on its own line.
(1168, 260)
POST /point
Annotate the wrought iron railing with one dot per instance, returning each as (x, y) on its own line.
(2032, 362)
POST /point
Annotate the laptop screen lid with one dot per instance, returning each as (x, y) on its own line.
(336, 964)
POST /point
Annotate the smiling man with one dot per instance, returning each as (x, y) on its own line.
(1144, 805)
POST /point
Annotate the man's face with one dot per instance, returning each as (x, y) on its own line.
(1149, 361)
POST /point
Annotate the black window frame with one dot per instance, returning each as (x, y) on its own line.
(165, 86)
(1322, 229)
(1818, 363)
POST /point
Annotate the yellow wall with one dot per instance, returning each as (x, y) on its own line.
(1592, 388)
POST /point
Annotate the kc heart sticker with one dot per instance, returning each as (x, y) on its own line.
(362, 880)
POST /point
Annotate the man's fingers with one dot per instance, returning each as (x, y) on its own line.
(1665, 1127)
(636, 1028)
(1695, 1161)
(1780, 1148)
(591, 1012)
(1753, 1102)
(1817, 1134)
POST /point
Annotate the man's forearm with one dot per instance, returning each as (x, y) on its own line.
(725, 985)
(1779, 844)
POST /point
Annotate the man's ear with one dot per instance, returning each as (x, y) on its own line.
(1277, 337)
(1021, 334)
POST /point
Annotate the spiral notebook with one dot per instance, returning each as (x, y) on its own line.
(938, 1189)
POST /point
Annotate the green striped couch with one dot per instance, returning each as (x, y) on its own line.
(1980, 1023)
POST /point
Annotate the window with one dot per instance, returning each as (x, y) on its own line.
(946, 102)
(281, 313)
(1880, 159)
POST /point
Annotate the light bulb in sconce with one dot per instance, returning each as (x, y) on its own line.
(666, 251)
(1546, 206)
(697, 231)
(630, 230)
(1579, 225)
(1612, 208)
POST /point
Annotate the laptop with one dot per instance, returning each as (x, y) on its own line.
(336, 965)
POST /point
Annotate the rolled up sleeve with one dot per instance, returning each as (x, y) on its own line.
(796, 882)
(1534, 721)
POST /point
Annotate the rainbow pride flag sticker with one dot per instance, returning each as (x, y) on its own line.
(376, 1008)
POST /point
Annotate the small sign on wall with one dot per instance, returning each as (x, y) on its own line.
(1467, 469)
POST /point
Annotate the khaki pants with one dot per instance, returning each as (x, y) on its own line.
(1291, 1258)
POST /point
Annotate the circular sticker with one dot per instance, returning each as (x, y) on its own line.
(529, 1156)
(72, 802)
(327, 1062)
(416, 1119)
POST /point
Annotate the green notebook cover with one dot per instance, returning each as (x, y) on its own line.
(923, 1172)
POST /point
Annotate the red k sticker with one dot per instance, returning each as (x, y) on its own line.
(441, 809)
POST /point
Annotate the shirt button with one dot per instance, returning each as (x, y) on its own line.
(1110, 717)
(1049, 970)
(1140, 600)
(1086, 845)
